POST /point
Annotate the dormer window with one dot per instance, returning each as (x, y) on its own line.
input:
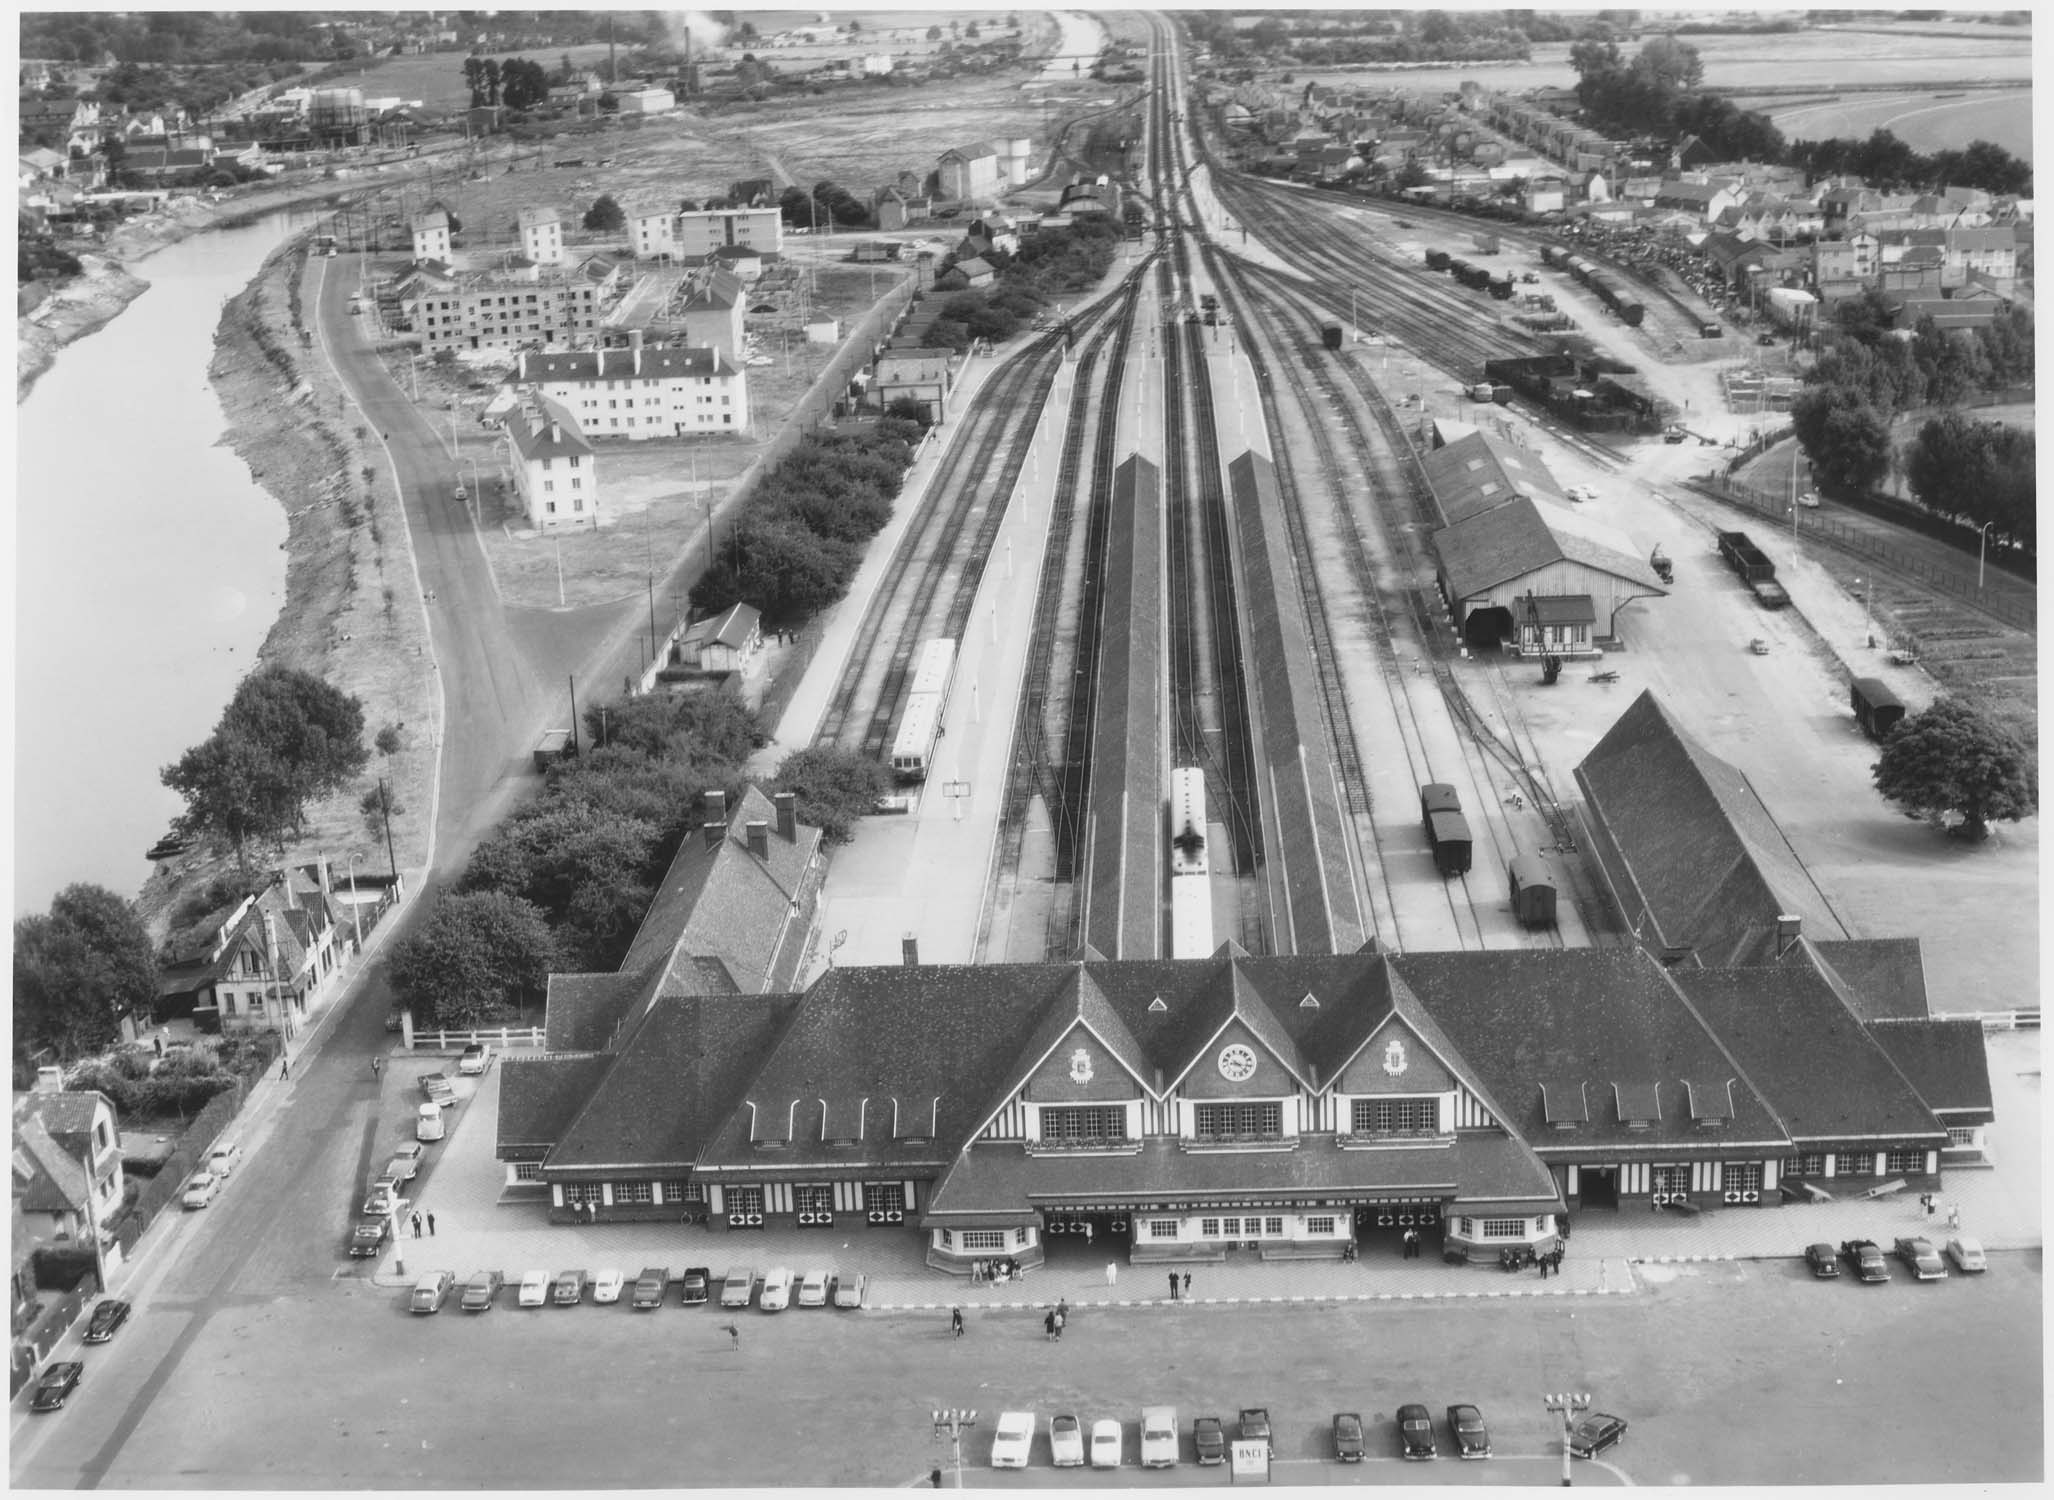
(1639, 1104)
(1257, 1121)
(1394, 1116)
(1083, 1124)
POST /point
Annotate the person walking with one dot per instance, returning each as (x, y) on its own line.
(1173, 1286)
(1048, 1327)
(1187, 1286)
(734, 1334)
(284, 1067)
(1112, 1272)
(377, 1064)
(431, 1226)
(417, 1225)
(1088, 1231)
(956, 1321)
(1062, 1317)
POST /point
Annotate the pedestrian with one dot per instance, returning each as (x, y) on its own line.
(1173, 1286)
(956, 1321)
(431, 1226)
(1048, 1326)
(1187, 1284)
(1061, 1318)
(376, 1065)
(934, 1478)
(734, 1334)
(157, 1041)
(285, 1067)
(1558, 1260)
(1112, 1272)
(417, 1225)
(1954, 1216)
(1088, 1232)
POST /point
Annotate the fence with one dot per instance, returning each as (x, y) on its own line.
(455, 1041)
(213, 1118)
(2003, 603)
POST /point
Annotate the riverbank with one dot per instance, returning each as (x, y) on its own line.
(351, 615)
(70, 313)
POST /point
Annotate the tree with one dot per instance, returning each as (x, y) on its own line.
(1950, 759)
(834, 788)
(379, 806)
(78, 971)
(285, 738)
(478, 957)
(934, 33)
(523, 84)
(605, 215)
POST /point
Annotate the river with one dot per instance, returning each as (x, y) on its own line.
(148, 568)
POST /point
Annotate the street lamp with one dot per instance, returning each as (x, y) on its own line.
(1568, 1403)
(1867, 587)
(1982, 546)
(950, 1424)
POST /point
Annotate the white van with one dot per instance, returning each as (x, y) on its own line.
(428, 1123)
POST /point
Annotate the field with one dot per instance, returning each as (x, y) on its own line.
(1928, 123)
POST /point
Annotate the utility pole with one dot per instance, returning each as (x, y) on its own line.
(385, 811)
(950, 1424)
(1569, 1404)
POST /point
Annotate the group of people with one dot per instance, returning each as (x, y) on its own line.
(1052, 1324)
(998, 1271)
(1519, 1257)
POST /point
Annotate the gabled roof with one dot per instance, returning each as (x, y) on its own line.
(678, 1075)
(1477, 473)
(588, 1012)
(540, 1096)
(587, 366)
(1607, 1018)
(1823, 1073)
(1495, 546)
(732, 628)
(1945, 1059)
(47, 1178)
(554, 434)
(1883, 978)
(1705, 865)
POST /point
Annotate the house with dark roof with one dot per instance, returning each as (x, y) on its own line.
(1288, 1106)
(730, 641)
(265, 963)
(555, 471)
(640, 392)
(1519, 566)
(67, 1162)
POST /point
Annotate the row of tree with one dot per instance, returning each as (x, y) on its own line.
(1870, 375)
(78, 970)
(516, 82)
(1979, 473)
(794, 550)
(1883, 161)
(564, 883)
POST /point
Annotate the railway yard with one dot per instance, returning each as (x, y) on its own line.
(1230, 604)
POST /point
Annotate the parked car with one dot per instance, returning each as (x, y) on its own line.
(606, 1285)
(534, 1289)
(1466, 1427)
(1209, 1437)
(223, 1158)
(693, 1289)
(428, 1123)
(1348, 1437)
(440, 1091)
(431, 1291)
(1917, 1252)
(1415, 1432)
(368, 1237)
(813, 1287)
(738, 1286)
(1158, 1437)
(59, 1380)
(1823, 1262)
(1967, 1253)
(405, 1165)
(481, 1289)
(1066, 1440)
(1255, 1427)
(107, 1317)
(1809, 500)
(384, 1198)
(848, 1290)
(200, 1189)
(1009, 1444)
(1105, 1443)
(649, 1287)
(570, 1288)
(1866, 1259)
(777, 1289)
(1595, 1433)
(475, 1060)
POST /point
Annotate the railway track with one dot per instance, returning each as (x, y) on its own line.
(931, 584)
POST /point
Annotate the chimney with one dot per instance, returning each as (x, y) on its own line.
(49, 1080)
(327, 886)
(635, 350)
(716, 819)
(787, 804)
(759, 838)
(1788, 929)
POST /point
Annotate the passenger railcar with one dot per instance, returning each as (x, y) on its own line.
(927, 701)
(1190, 867)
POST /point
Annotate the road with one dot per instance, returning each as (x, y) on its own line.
(256, 1371)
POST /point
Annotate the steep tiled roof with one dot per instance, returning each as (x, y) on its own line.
(540, 1096)
(662, 362)
(1884, 978)
(678, 1076)
(1945, 1059)
(1607, 1017)
(1477, 473)
(1704, 862)
(1824, 1074)
(555, 434)
(47, 1178)
(587, 1012)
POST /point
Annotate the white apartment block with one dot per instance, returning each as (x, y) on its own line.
(555, 473)
(639, 393)
(698, 234)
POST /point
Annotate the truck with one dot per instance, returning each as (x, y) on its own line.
(554, 746)
(1754, 568)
